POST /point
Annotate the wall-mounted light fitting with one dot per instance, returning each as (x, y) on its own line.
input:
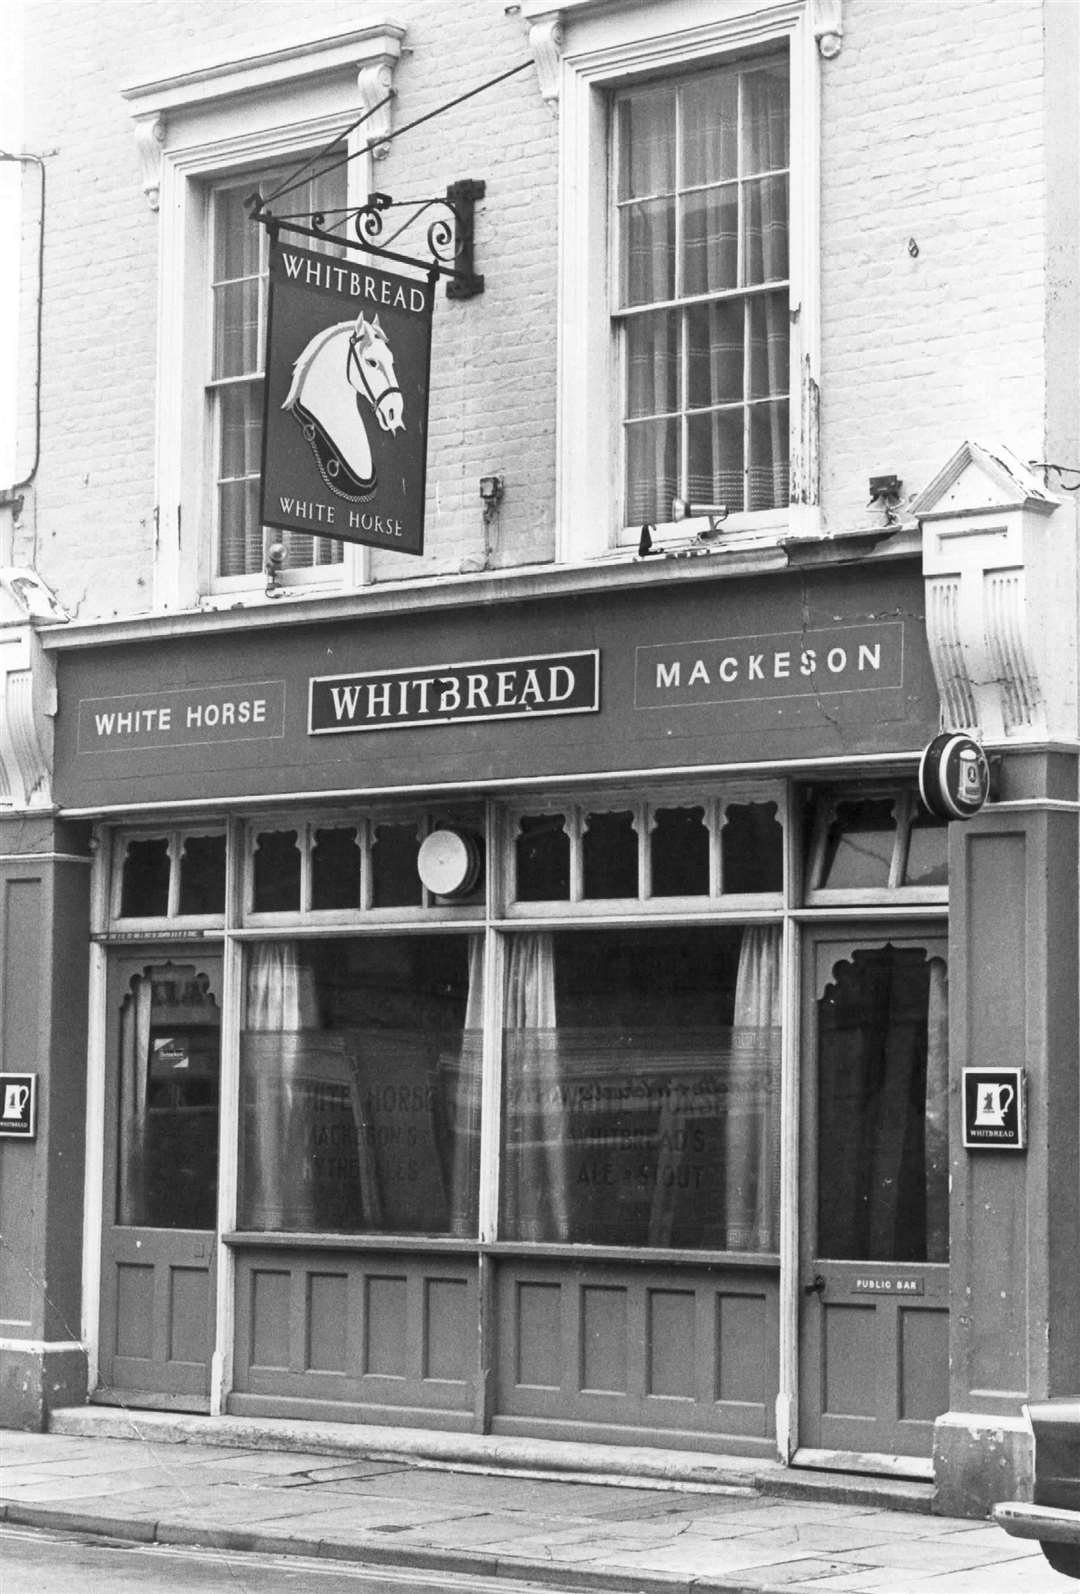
(491, 494)
(716, 514)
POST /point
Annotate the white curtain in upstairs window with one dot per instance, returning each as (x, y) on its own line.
(704, 211)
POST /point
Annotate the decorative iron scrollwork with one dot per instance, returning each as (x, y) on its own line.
(450, 232)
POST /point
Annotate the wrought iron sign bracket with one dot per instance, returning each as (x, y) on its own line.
(450, 232)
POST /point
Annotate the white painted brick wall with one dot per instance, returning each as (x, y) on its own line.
(932, 131)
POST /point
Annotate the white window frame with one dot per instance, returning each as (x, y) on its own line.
(605, 48)
(194, 131)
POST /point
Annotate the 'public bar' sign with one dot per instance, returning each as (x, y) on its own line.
(346, 391)
(442, 694)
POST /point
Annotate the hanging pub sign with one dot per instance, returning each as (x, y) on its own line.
(954, 776)
(345, 405)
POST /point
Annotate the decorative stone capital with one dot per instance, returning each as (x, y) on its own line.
(828, 27)
(374, 81)
(546, 44)
(1000, 564)
(150, 143)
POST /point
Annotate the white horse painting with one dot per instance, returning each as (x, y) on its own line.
(341, 365)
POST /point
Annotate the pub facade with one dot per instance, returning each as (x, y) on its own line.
(516, 976)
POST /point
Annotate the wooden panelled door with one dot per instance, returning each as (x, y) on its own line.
(161, 1167)
(874, 1277)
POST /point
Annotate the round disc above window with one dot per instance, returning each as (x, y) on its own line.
(449, 863)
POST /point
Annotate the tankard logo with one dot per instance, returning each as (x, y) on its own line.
(18, 1100)
(993, 1108)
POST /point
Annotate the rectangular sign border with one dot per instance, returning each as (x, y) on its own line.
(769, 697)
(455, 719)
(30, 1132)
(175, 691)
(1016, 1072)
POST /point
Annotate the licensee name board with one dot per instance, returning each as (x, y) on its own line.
(241, 711)
(442, 694)
(782, 664)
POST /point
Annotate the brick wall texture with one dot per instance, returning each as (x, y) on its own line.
(933, 133)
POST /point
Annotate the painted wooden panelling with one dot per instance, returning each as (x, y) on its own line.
(629, 1348)
(363, 1332)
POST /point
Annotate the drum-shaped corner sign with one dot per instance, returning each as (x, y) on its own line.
(954, 776)
(449, 863)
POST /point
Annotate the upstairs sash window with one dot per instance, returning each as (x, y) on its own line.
(702, 277)
(235, 392)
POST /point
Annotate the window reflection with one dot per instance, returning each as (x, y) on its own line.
(641, 1094)
(359, 1081)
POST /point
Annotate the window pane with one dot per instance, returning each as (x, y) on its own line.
(238, 240)
(710, 241)
(240, 535)
(277, 872)
(652, 363)
(882, 1103)
(928, 853)
(765, 238)
(652, 480)
(752, 848)
(715, 353)
(648, 269)
(768, 345)
(335, 869)
(641, 1090)
(647, 143)
(716, 458)
(609, 848)
(859, 846)
(679, 853)
(767, 476)
(359, 1085)
(237, 350)
(144, 890)
(710, 129)
(395, 877)
(241, 430)
(202, 875)
(542, 855)
(765, 119)
(169, 1067)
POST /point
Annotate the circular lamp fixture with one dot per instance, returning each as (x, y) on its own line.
(449, 863)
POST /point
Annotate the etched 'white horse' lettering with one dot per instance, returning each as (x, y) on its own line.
(338, 367)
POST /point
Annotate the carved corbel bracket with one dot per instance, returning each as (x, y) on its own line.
(374, 81)
(828, 27)
(150, 143)
(27, 703)
(546, 44)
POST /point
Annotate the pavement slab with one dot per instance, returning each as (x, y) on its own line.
(565, 1530)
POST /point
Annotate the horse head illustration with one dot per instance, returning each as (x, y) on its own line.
(337, 368)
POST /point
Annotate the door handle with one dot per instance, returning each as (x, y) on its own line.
(817, 1287)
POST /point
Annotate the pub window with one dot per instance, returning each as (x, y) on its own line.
(169, 875)
(341, 865)
(869, 841)
(641, 1087)
(360, 1085)
(655, 851)
(701, 209)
